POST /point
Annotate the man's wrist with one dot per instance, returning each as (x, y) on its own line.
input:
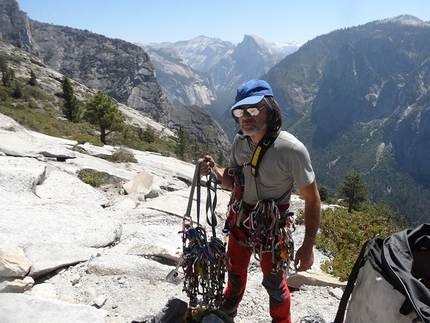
(309, 240)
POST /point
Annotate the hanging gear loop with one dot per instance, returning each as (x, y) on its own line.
(202, 259)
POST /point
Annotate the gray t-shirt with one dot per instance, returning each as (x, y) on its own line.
(286, 162)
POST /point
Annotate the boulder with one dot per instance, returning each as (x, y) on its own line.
(20, 308)
(313, 278)
(13, 261)
(16, 285)
(140, 184)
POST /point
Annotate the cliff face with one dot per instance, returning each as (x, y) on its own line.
(15, 25)
(370, 79)
(182, 84)
(359, 98)
(411, 136)
(384, 76)
(120, 69)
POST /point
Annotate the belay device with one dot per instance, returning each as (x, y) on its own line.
(202, 259)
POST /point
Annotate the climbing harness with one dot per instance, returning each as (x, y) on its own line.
(202, 259)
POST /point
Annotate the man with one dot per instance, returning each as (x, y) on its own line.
(284, 163)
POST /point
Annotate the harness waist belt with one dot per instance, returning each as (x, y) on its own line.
(281, 207)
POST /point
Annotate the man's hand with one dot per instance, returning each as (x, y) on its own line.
(304, 258)
(206, 165)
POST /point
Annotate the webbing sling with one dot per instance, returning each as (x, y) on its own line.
(211, 185)
(187, 214)
(259, 152)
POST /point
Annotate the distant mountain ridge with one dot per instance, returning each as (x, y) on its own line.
(197, 70)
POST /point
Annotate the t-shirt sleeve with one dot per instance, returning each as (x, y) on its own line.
(301, 166)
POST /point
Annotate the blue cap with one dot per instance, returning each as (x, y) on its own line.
(252, 92)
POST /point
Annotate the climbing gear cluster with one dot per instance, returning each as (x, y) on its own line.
(203, 266)
(267, 227)
(203, 257)
(266, 234)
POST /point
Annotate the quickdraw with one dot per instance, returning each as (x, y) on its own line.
(202, 259)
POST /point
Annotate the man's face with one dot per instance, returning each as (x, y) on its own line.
(252, 125)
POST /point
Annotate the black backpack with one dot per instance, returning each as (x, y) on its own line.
(390, 280)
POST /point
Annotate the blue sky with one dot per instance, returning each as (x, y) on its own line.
(155, 21)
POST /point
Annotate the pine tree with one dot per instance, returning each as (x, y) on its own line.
(221, 159)
(4, 70)
(8, 75)
(17, 91)
(148, 134)
(183, 142)
(324, 192)
(354, 189)
(102, 111)
(72, 108)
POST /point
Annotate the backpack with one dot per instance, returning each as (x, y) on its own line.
(390, 280)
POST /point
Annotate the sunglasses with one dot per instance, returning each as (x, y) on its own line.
(252, 111)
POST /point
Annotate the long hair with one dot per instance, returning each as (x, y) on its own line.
(273, 116)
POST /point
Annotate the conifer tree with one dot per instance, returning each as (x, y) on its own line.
(8, 75)
(183, 142)
(354, 189)
(148, 134)
(102, 111)
(17, 91)
(324, 192)
(72, 108)
(4, 69)
(221, 159)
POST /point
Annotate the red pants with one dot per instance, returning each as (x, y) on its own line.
(238, 258)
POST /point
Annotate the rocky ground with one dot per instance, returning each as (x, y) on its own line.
(102, 255)
(128, 297)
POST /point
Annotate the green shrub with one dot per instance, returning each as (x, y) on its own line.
(82, 138)
(91, 177)
(4, 94)
(342, 235)
(122, 155)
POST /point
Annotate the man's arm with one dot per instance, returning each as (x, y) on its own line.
(222, 173)
(304, 256)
